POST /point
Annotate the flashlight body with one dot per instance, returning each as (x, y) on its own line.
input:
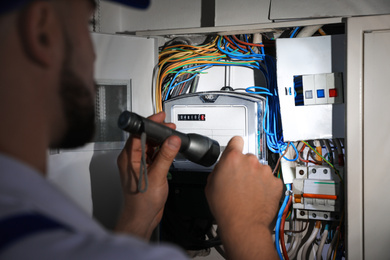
(196, 148)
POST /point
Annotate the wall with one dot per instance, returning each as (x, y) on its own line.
(160, 15)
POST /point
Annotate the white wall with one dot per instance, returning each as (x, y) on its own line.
(167, 14)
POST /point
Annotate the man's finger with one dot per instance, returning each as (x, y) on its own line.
(236, 143)
(159, 117)
(165, 156)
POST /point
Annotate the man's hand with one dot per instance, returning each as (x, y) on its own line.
(243, 196)
(143, 211)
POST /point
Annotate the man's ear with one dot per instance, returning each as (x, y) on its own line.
(41, 33)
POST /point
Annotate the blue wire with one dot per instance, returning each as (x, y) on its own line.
(279, 220)
(178, 73)
(240, 56)
(195, 74)
(265, 92)
(296, 154)
(295, 30)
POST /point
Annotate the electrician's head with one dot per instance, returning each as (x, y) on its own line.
(47, 52)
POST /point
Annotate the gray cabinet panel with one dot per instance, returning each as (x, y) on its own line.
(294, 9)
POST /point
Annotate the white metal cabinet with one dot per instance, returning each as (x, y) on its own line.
(232, 12)
(303, 9)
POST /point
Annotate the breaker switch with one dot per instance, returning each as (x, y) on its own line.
(332, 92)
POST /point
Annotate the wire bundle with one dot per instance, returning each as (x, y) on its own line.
(179, 64)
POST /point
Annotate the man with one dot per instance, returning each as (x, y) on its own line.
(46, 101)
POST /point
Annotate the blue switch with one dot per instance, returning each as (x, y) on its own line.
(320, 93)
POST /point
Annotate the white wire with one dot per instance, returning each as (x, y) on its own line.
(308, 31)
(310, 240)
(292, 227)
(329, 150)
(293, 250)
(322, 243)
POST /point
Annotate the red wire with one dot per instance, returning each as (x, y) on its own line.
(232, 44)
(285, 212)
(247, 43)
(303, 160)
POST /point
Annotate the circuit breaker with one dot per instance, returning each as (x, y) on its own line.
(317, 193)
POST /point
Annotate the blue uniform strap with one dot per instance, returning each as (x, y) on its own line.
(18, 227)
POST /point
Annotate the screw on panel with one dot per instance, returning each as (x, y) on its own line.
(314, 215)
(325, 171)
(313, 170)
(301, 172)
(325, 216)
(302, 213)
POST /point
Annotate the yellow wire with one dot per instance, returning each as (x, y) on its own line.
(178, 55)
(331, 165)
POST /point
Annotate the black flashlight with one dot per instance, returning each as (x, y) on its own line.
(196, 148)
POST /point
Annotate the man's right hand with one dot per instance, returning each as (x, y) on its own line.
(243, 196)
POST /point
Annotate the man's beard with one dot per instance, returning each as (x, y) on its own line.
(78, 107)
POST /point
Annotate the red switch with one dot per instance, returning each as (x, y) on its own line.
(332, 92)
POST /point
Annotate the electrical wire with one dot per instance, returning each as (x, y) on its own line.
(308, 31)
(311, 239)
(322, 242)
(279, 220)
(301, 158)
(293, 250)
(299, 231)
(282, 242)
(329, 149)
(294, 32)
(330, 249)
(278, 162)
(339, 151)
(331, 165)
(339, 236)
(318, 148)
